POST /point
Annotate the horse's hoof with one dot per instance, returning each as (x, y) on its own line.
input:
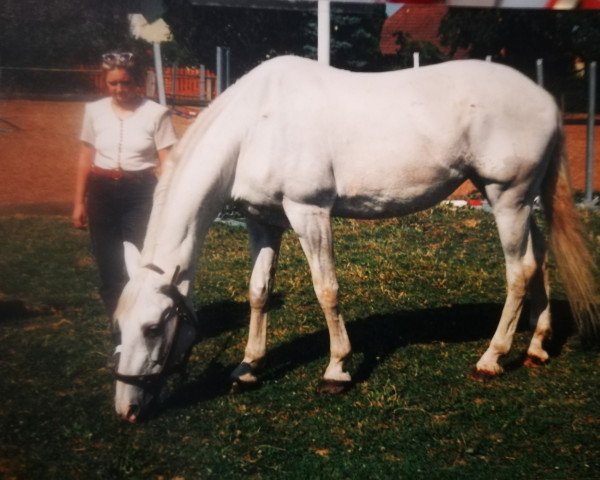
(243, 378)
(333, 387)
(533, 361)
(482, 375)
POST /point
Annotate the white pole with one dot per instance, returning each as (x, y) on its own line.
(174, 83)
(324, 31)
(160, 81)
(219, 70)
(416, 60)
(589, 170)
(227, 60)
(203, 96)
(539, 71)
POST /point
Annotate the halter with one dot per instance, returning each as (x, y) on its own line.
(181, 313)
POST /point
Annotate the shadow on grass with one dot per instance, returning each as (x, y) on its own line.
(225, 316)
(13, 309)
(378, 337)
(221, 317)
(16, 309)
(375, 337)
(214, 319)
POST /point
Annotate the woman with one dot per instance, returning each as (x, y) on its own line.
(125, 140)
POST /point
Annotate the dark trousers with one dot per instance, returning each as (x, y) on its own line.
(118, 211)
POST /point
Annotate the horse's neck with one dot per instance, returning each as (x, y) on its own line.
(187, 201)
(197, 183)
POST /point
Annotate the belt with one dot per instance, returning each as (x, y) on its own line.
(118, 174)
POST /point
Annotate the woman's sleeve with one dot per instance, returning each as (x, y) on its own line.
(165, 135)
(87, 128)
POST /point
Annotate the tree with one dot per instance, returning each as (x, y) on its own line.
(38, 37)
(254, 35)
(251, 34)
(519, 37)
(56, 33)
(355, 35)
(403, 58)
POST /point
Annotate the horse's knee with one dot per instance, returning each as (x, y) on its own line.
(328, 296)
(521, 268)
(519, 278)
(258, 296)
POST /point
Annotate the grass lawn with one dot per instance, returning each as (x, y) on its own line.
(421, 295)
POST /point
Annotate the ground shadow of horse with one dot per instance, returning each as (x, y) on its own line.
(220, 317)
(375, 337)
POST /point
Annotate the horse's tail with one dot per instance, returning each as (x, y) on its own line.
(567, 239)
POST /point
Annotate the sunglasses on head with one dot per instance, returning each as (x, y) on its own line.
(118, 59)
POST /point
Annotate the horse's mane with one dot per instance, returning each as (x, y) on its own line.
(191, 137)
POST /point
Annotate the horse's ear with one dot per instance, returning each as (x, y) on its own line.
(133, 259)
(183, 283)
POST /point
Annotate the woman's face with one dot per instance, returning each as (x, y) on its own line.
(121, 86)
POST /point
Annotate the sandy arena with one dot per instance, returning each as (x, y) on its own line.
(39, 145)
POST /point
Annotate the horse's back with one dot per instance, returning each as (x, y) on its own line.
(304, 101)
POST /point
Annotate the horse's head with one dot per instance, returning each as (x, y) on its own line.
(158, 330)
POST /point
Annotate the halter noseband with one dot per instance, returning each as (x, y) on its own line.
(182, 313)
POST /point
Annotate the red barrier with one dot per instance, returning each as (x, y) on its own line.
(187, 84)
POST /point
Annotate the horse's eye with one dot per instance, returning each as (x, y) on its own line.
(154, 331)
(157, 330)
(166, 316)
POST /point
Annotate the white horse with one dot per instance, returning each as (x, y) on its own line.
(295, 143)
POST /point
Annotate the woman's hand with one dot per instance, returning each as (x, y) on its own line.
(84, 166)
(79, 216)
(163, 154)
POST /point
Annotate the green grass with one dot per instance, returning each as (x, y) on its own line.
(421, 297)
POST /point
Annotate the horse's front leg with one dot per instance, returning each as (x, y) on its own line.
(265, 241)
(313, 226)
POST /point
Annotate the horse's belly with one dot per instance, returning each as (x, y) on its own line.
(385, 206)
(380, 193)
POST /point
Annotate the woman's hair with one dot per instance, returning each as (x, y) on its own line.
(126, 61)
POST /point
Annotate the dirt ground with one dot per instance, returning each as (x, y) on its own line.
(39, 146)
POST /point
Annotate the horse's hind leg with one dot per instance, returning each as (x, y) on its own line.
(514, 226)
(539, 290)
(265, 241)
(313, 226)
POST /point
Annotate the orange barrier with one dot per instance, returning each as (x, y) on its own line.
(181, 84)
